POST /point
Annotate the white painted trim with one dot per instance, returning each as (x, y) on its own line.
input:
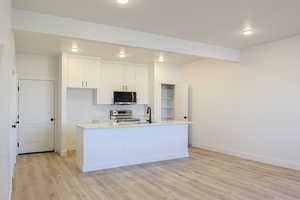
(67, 27)
(86, 57)
(248, 156)
(122, 62)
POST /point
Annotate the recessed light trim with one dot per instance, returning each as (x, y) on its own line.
(122, 53)
(247, 31)
(161, 59)
(75, 50)
(122, 1)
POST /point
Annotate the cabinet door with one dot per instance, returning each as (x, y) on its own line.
(109, 82)
(91, 72)
(129, 78)
(75, 72)
(141, 84)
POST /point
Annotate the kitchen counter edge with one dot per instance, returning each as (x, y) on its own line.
(116, 125)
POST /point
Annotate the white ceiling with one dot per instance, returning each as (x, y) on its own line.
(212, 21)
(50, 45)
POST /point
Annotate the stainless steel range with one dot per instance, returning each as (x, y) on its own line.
(122, 116)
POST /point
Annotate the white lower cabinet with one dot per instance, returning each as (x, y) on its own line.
(116, 76)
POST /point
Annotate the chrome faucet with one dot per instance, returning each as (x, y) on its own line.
(149, 112)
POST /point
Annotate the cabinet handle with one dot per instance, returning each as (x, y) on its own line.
(86, 84)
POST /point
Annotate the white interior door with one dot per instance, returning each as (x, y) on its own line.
(181, 103)
(36, 109)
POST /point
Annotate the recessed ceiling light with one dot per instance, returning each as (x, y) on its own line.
(122, 1)
(75, 50)
(122, 53)
(161, 59)
(247, 31)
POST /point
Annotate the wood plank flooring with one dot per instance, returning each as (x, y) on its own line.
(204, 176)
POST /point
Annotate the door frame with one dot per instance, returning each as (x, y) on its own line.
(54, 114)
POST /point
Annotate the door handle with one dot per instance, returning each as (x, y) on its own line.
(132, 97)
(185, 117)
(52, 119)
(14, 126)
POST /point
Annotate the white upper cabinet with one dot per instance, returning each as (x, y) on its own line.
(141, 84)
(83, 72)
(115, 76)
(75, 72)
(129, 78)
(91, 73)
(110, 81)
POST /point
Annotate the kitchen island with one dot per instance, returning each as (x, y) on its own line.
(108, 145)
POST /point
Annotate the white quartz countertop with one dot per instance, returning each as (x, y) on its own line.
(93, 125)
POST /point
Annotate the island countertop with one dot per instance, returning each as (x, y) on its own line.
(93, 125)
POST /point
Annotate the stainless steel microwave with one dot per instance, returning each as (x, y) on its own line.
(124, 98)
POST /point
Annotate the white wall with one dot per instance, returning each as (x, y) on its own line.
(7, 76)
(37, 67)
(250, 109)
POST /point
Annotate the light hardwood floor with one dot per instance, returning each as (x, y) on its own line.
(205, 175)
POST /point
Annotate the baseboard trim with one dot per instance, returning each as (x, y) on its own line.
(36, 152)
(248, 156)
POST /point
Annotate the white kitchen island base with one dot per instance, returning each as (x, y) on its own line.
(108, 146)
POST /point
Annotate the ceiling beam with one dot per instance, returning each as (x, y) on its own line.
(67, 27)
